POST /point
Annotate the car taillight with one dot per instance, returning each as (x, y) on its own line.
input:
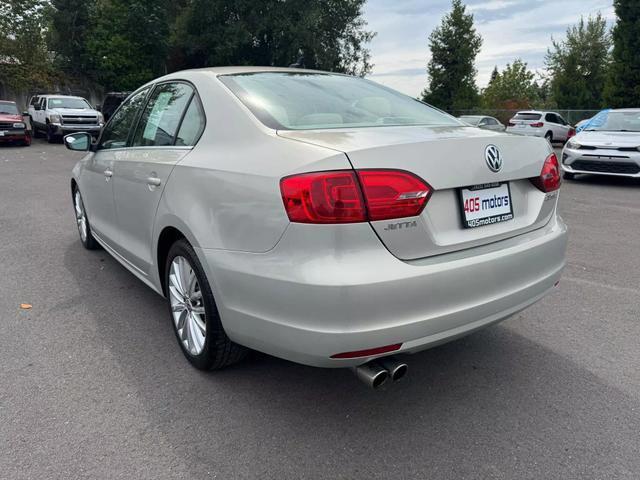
(549, 179)
(536, 125)
(347, 196)
(572, 133)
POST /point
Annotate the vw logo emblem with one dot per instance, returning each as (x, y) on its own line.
(493, 158)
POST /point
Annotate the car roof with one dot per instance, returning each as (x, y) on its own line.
(630, 110)
(8, 102)
(60, 95)
(244, 69)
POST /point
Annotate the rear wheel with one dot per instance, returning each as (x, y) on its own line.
(194, 314)
(549, 137)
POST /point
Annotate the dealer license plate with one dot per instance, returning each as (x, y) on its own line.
(485, 204)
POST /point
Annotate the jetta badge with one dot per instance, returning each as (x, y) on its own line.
(493, 158)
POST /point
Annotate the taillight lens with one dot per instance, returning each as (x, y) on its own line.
(347, 196)
(549, 179)
(393, 193)
(537, 125)
(572, 133)
(323, 197)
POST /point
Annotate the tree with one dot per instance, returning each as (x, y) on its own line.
(127, 42)
(623, 83)
(23, 54)
(331, 33)
(578, 64)
(70, 24)
(454, 46)
(514, 88)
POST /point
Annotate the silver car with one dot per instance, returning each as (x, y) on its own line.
(317, 217)
(609, 144)
(484, 122)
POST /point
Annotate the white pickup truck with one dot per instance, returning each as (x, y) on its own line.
(57, 115)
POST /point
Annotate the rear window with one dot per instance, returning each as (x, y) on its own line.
(308, 101)
(527, 116)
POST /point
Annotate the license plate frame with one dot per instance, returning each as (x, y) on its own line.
(500, 213)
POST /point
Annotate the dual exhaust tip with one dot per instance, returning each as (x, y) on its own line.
(376, 373)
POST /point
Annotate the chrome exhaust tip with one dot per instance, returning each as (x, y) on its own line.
(372, 374)
(397, 369)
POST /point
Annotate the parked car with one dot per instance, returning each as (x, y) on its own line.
(13, 128)
(484, 122)
(111, 102)
(608, 145)
(56, 115)
(317, 217)
(549, 125)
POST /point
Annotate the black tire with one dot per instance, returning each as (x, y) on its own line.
(218, 351)
(51, 138)
(88, 242)
(549, 137)
(568, 175)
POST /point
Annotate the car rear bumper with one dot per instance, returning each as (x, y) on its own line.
(601, 162)
(306, 307)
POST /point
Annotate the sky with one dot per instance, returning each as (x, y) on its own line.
(510, 29)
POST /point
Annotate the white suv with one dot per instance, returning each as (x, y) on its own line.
(57, 115)
(549, 125)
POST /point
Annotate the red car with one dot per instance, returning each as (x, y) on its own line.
(12, 125)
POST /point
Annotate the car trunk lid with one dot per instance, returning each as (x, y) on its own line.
(448, 158)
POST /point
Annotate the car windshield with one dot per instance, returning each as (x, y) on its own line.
(306, 101)
(471, 120)
(615, 122)
(69, 102)
(9, 108)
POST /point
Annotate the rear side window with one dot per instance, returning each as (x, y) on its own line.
(161, 118)
(192, 124)
(550, 117)
(116, 133)
(527, 116)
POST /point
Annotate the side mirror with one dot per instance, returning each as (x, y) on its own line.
(79, 142)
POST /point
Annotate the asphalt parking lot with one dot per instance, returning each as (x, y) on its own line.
(93, 384)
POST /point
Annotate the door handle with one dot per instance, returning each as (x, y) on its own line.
(154, 181)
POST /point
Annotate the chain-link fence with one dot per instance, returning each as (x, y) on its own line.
(571, 116)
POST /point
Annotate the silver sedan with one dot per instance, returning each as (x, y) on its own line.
(317, 217)
(608, 144)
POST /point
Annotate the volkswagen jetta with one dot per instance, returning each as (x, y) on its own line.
(317, 217)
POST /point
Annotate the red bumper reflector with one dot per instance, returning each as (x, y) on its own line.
(368, 352)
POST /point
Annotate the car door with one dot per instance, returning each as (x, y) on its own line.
(160, 141)
(96, 182)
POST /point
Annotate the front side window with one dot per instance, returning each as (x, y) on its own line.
(116, 132)
(306, 101)
(161, 117)
(66, 102)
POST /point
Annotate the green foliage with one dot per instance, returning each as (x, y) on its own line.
(578, 64)
(70, 22)
(513, 88)
(127, 42)
(23, 55)
(623, 83)
(331, 33)
(454, 46)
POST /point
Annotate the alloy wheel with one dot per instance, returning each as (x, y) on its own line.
(81, 217)
(187, 307)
